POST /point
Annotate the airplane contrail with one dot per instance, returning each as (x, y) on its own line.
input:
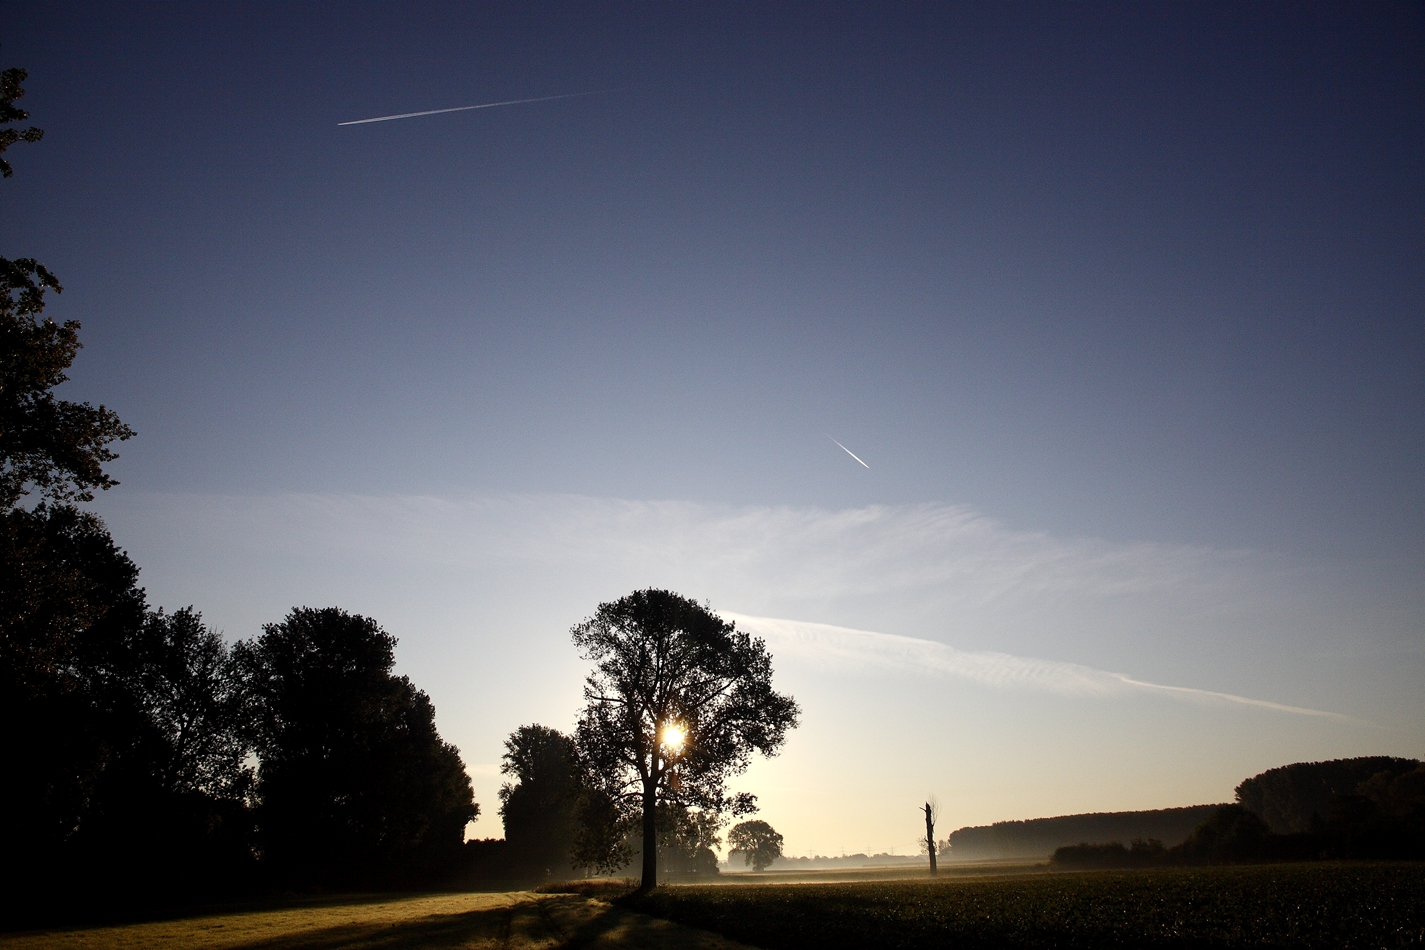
(849, 452)
(483, 105)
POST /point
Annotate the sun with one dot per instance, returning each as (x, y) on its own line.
(673, 737)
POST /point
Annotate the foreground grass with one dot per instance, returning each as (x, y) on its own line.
(517, 921)
(1319, 905)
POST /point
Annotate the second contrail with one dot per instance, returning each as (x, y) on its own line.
(483, 105)
(849, 452)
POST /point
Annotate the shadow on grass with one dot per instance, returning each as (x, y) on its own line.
(555, 922)
(492, 927)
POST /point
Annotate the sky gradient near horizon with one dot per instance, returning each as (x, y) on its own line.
(1121, 305)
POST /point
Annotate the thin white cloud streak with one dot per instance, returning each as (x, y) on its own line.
(483, 105)
(929, 569)
(849, 648)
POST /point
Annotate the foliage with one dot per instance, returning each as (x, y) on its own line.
(67, 594)
(757, 842)
(662, 660)
(191, 689)
(52, 445)
(686, 838)
(355, 785)
(1336, 906)
(1232, 834)
(127, 767)
(11, 90)
(1143, 853)
(55, 446)
(1298, 798)
(607, 836)
(540, 808)
(1037, 838)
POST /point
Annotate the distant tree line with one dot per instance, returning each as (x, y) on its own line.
(1037, 838)
(1371, 807)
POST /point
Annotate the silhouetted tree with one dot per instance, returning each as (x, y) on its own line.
(65, 588)
(67, 594)
(123, 752)
(540, 808)
(1297, 797)
(1231, 835)
(678, 702)
(929, 844)
(686, 838)
(11, 90)
(116, 782)
(51, 445)
(190, 687)
(354, 783)
(170, 813)
(757, 842)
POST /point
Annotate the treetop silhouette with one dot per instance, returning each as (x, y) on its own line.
(678, 702)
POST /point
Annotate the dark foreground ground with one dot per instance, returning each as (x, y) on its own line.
(1295, 905)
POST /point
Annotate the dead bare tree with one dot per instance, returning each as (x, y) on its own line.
(931, 812)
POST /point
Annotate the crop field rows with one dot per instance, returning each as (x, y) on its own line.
(1347, 906)
(1338, 906)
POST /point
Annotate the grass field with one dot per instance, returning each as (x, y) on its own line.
(1348, 906)
(511, 921)
(1340, 906)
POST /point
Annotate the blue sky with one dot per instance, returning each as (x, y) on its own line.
(1120, 303)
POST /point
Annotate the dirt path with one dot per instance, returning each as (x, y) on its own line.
(513, 921)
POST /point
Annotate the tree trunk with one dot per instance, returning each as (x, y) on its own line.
(650, 835)
(930, 835)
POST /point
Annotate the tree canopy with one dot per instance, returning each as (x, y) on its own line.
(354, 783)
(11, 89)
(757, 842)
(51, 445)
(540, 808)
(678, 702)
(128, 732)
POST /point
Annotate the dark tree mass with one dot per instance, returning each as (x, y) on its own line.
(758, 843)
(1300, 797)
(128, 732)
(540, 808)
(678, 702)
(355, 784)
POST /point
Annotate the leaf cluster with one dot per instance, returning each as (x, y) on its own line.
(53, 445)
(758, 842)
(355, 785)
(662, 659)
(11, 89)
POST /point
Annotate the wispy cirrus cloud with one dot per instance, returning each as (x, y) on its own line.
(798, 551)
(864, 649)
(942, 572)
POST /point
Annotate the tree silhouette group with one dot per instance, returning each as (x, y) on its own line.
(145, 759)
(149, 761)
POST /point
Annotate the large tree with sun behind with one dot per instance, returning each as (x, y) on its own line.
(678, 703)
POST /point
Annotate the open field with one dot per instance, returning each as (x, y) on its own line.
(1323, 905)
(511, 921)
(888, 872)
(1319, 905)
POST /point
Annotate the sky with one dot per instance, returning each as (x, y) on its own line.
(1120, 304)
